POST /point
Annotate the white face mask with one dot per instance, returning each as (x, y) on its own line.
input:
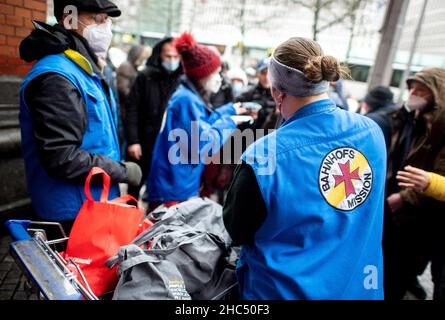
(415, 103)
(99, 37)
(214, 83)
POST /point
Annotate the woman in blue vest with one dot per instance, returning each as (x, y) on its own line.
(192, 130)
(306, 204)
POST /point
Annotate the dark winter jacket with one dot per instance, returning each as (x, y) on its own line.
(148, 99)
(58, 142)
(382, 118)
(427, 145)
(262, 96)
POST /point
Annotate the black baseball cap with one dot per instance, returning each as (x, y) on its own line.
(379, 97)
(96, 6)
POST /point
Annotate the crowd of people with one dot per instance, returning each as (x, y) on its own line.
(355, 204)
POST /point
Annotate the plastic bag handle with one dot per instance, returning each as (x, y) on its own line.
(105, 186)
(125, 199)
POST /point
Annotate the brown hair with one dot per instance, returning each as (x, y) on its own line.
(307, 56)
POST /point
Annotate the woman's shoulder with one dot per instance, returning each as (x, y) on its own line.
(184, 95)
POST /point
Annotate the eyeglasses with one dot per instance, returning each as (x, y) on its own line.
(99, 18)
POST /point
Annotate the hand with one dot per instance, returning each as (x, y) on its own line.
(395, 202)
(135, 151)
(239, 109)
(252, 108)
(253, 113)
(414, 178)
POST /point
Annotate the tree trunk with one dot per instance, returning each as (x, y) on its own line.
(169, 17)
(243, 32)
(317, 10)
(351, 37)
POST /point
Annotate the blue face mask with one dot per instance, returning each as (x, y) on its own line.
(237, 88)
(171, 66)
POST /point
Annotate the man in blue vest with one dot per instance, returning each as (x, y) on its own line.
(68, 113)
(306, 204)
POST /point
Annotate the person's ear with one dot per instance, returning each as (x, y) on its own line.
(278, 95)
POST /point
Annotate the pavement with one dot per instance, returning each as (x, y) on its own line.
(12, 280)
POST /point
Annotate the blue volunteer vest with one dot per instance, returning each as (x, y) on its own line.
(177, 166)
(55, 199)
(322, 178)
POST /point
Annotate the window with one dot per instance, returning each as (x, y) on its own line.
(396, 78)
(359, 73)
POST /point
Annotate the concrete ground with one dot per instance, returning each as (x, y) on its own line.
(11, 278)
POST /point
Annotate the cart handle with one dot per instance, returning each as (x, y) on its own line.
(17, 229)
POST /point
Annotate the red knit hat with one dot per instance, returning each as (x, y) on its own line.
(198, 61)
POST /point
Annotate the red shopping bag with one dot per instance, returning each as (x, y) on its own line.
(146, 224)
(99, 231)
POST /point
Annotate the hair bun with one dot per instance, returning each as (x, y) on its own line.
(322, 68)
(330, 68)
(312, 70)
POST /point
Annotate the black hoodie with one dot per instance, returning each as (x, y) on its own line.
(59, 112)
(147, 101)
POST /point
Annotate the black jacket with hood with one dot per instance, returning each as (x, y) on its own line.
(381, 117)
(148, 99)
(52, 95)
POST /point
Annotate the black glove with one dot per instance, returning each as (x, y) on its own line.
(134, 173)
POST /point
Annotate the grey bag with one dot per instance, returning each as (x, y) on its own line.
(192, 237)
(198, 213)
(196, 254)
(146, 277)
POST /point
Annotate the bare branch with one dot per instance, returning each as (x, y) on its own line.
(309, 4)
(334, 12)
(334, 22)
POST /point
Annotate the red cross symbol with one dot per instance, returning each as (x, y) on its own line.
(347, 177)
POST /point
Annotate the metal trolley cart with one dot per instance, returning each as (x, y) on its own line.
(48, 274)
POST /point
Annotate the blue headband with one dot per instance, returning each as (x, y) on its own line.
(292, 81)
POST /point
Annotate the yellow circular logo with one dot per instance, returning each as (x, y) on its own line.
(345, 178)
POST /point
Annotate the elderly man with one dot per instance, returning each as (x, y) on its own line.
(414, 223)
(67, 111)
